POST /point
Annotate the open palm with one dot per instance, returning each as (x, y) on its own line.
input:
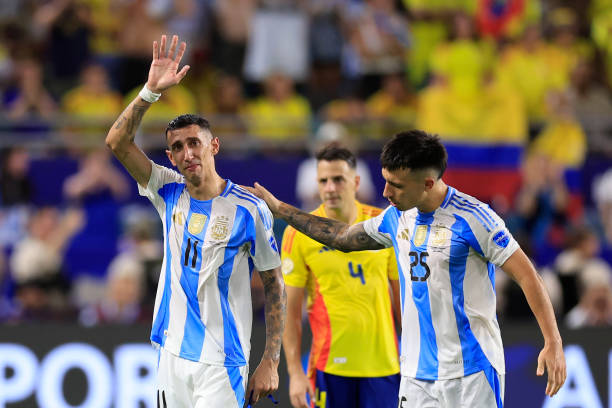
(164, 68)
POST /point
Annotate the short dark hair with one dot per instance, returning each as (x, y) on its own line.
(187, 120)
(415, 150)
(335, 151)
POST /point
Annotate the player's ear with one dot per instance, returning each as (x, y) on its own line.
(357, 181)
(429, 183)
(169, 154)
(214, 145)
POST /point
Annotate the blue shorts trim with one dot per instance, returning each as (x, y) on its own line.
(493, 380)
(334, 391)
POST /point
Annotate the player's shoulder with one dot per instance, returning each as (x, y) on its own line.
(241, 196)
(472, 210)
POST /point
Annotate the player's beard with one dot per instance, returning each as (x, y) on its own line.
(196, 180)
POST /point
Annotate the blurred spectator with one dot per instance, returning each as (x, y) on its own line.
(526, 67)
(592, 106)
(189, 19)
(66, 24)
(28, 96)
(595, 306)
(122, 303)
(491, 113)
(462, 62)
(15, 195)
(582, 251)
(464, 102)
(142, 241)
(96, 174)
(278, 41)
(92, 105)
(601, 32)
(281, 113)
(566, 48)
(562, 139)
(139, 29)
(326, 44)
(233, 24)
(349, 110)
(37, 262)
(427, 29)
(541, 206)
(93, 98)
(15, 185)
(378, 39)
(602, 196)
(306, 191)
(228, 109)
(393, 108)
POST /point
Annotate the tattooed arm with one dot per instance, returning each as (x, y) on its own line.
(265, 378)
(330, 232)
(162, 75)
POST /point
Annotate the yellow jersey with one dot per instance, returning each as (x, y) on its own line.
(349, 306)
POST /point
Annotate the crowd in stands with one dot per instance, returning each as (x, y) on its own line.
(519, 91)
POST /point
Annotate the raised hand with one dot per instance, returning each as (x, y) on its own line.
(163, 72)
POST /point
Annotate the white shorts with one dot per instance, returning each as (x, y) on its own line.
(484, 389)
(184, 383)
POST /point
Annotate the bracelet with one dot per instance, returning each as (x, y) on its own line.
(147, 95)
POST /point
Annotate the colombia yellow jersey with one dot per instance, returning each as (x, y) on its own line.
(349, 306)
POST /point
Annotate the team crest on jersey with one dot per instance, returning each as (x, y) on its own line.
(420, 234)
(220, 228)
(196, 223)
(287, 266)
(440, 236)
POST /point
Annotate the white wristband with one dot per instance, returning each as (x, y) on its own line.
(147, 95)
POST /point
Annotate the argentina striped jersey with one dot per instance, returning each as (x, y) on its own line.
(203, 306)
(446, 262)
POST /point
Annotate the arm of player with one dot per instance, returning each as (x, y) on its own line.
(265, 378)
(551, 357)
(330, 232)
(299, 385)
(162, 75)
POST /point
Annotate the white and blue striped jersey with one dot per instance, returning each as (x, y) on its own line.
(203, 308)
(446, 262)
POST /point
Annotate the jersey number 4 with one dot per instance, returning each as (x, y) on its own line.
(419, 258)
(356, 272)
(194, 258)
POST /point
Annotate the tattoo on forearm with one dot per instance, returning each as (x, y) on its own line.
(275, 310)
(131, 119)
(327, 231)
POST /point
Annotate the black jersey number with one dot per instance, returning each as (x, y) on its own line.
(419, 258)
(194, 258)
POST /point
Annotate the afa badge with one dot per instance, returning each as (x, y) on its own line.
(220, 228)
(196, 223)
(419, 235)
(440, 236)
